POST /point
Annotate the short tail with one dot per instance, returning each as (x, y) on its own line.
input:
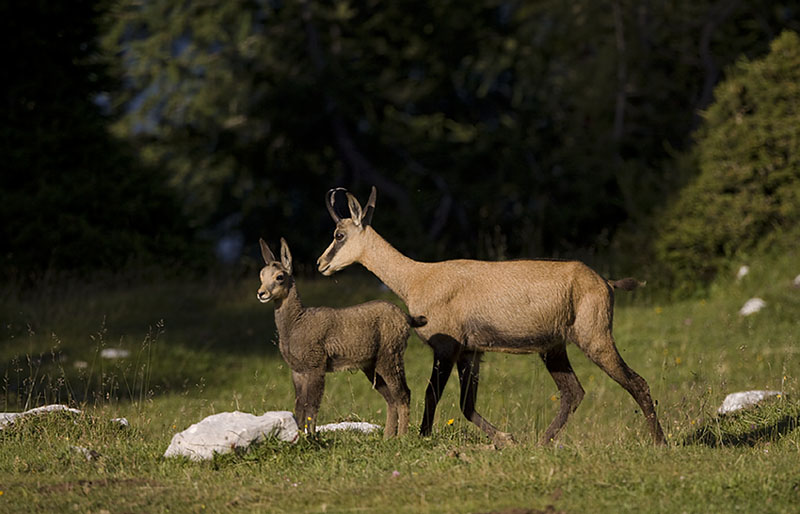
(626, 284)
(417, 321)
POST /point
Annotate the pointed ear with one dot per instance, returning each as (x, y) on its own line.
(366, 219)
(266, 252)
(355, 209)
(286, 256)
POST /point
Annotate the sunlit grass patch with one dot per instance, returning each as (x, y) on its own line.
(66, 442)
(215, 353)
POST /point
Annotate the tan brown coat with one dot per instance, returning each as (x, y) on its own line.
(523, 306)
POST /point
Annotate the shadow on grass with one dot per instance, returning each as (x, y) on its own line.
(179, 335)
(185, 352)
(768, 422)
(271, 449)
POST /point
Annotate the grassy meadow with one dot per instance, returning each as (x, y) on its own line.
(208, 346)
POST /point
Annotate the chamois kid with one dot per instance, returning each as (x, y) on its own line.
(316, 340)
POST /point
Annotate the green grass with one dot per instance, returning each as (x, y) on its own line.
(203, 347)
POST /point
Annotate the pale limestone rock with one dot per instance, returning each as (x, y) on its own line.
(222, 433)
(7, 418)
(752, 306)
(358, 426)
(736, 401)
(90, 455)
(122, 422)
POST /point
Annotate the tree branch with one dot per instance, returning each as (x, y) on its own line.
(716, 16)
(622, 74)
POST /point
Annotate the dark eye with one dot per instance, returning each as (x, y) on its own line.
(280, 277)
(338, 236)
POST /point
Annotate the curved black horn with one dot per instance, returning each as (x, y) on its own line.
(366, 219)
(330, 199)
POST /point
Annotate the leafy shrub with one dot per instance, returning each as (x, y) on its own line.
(747, 154)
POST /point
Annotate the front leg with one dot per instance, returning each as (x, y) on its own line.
(444, 352)
(469, 365)
(308, 387)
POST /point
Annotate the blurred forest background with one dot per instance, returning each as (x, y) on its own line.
(651, 137)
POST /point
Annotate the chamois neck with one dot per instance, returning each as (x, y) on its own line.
(392, 267)
(287, 311)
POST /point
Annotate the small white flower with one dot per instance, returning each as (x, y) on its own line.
(114, 353)
(743, 271)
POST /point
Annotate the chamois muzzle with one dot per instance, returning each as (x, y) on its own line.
(324, 266)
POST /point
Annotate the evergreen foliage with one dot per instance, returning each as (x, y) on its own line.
(747, 190)
(491, 129)
(72, 198)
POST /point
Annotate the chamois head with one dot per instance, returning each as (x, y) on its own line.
(276, 276)
(348, 236)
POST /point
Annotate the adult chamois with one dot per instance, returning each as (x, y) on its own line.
(521, 306)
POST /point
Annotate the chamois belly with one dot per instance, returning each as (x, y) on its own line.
(350, 354)
(345, 364)
(522, 321)
(487, 340)
(486, 336)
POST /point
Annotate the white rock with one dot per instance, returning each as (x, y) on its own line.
(736, 401)
(743, 271)
(114, 353)
(86, 452)
(52, 408)
(221, 433)
(752, 306)
(6, 418)
(123, 422)
(359, 426)
(796, 281)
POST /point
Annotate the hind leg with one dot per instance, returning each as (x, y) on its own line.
(390, 428)
(603, 352)
(394, 376)
(557, 363)
(469, 365)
